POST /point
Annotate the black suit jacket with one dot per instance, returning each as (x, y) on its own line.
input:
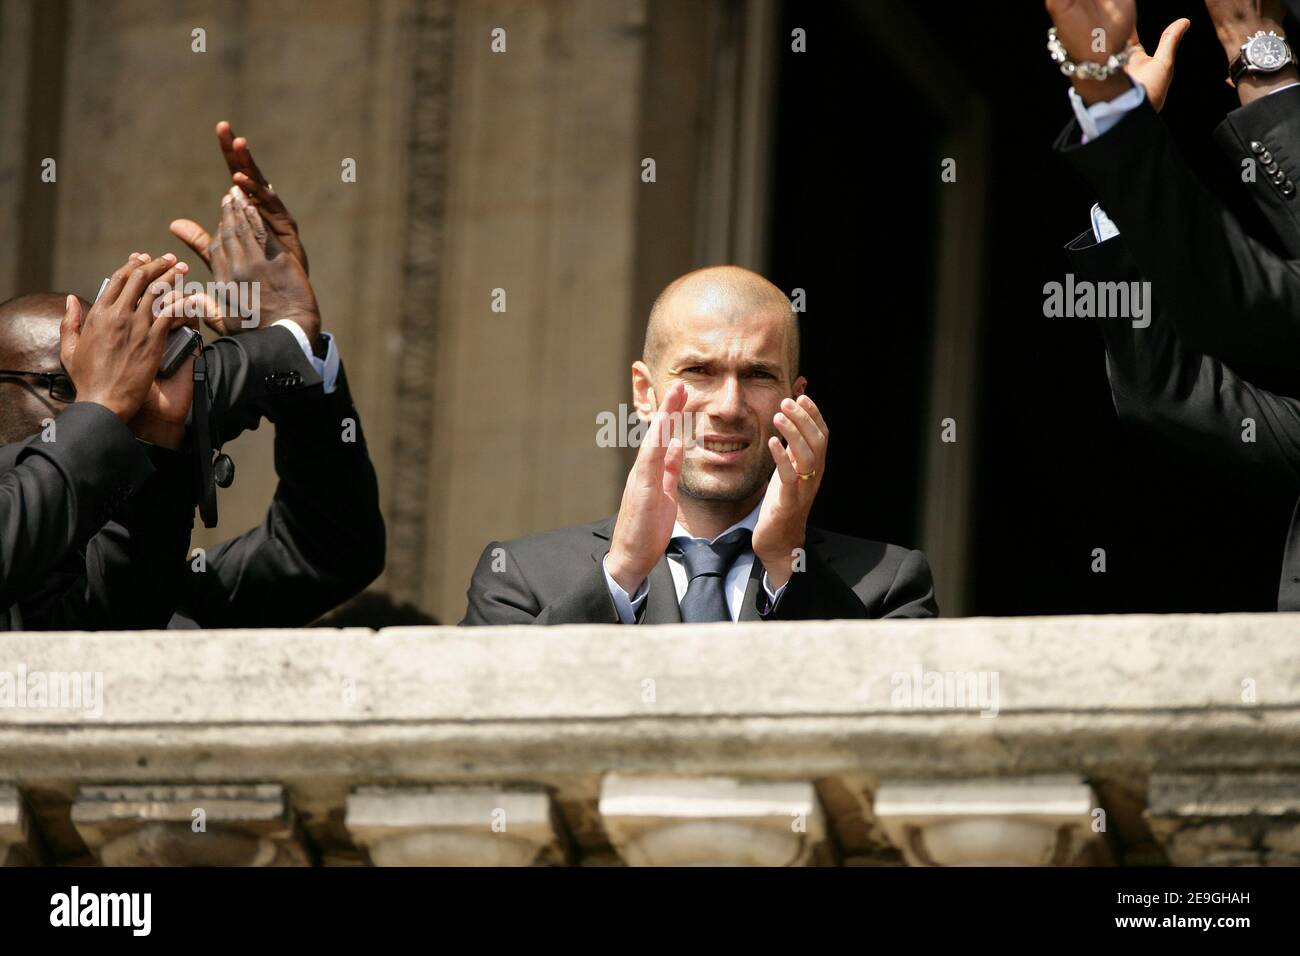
(1195, 401)
(321, 542)
(55, 495)
(1227, 293)
(557, 577)
(1236, 298)
(323, 538)
(256, 375)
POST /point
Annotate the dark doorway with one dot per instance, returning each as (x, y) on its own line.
(853, 228)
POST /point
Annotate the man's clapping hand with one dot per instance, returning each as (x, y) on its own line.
(248, 177)
(648, 510)
(112, 353)
(256, 242)
(245, 251)
(783, 520)
(165, 410)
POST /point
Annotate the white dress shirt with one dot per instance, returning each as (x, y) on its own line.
(328, 367)
(734, 586)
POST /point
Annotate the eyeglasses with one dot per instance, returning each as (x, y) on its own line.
(58, 384)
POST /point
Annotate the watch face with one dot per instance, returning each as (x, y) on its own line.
(1268, 52)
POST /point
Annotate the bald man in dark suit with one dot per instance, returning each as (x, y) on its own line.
(713, 525)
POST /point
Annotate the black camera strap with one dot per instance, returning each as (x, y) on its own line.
(206, 485)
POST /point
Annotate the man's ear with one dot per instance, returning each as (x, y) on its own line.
(800, 386)
(643, 391)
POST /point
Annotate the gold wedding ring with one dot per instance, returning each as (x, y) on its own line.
(807, 476)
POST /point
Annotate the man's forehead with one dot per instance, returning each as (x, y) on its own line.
(33, 336)
(755, 333)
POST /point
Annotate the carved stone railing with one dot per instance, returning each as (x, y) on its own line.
(1053, 741)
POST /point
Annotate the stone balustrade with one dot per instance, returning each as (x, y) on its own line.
(1032, 741)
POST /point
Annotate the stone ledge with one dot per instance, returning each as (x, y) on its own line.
(1125, 693)
(1129, 709)
(1112, 664)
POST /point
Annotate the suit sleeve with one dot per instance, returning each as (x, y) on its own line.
(912, 593)
(255, 375)
(819, 593)
(1267, 133)
(499, 594)
(61, 492)
(131, 576)
(323, 538)
(1193, 400)
(1228, 294)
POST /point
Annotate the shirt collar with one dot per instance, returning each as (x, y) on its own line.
(750, 521)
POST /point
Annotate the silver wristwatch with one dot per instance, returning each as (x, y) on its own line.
(1261, 53)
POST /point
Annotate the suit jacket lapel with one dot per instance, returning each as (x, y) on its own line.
(749, 605)
(661, 605)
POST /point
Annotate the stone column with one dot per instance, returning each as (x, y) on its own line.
(713, 821)
(1227, 819)
(456, 826)
(18, 845)
(1025, 821)
(312, 86)
(535, 335)
(206, 825)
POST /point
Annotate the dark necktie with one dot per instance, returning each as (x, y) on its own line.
(706, 574)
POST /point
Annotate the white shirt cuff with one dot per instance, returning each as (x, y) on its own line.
(328, 367)
(773, 597)
(626, 606)
(1097, 119)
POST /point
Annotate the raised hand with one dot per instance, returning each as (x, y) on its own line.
(245, 251)
(162, 416)
(648, 510)
(112, 353)
(1235, 21)
(783, 519)
(246, 175)
(1076, 23)
(1156, 72)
